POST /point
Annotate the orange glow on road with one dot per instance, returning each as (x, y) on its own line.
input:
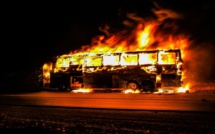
(82, 90)
(127, 91)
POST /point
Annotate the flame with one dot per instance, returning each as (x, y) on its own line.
(64, 61)
(146, 36)
(150, 58)
(143, 37)
(47, 68)
(127, 91)
(112, 60)
(82, 90)
(185, 89)
(167, 58)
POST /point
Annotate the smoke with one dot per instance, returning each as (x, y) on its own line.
(199, 62)
(163, 14)
(199, 56)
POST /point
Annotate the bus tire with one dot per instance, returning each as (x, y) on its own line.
(132, 85)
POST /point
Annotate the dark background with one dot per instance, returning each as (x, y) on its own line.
(35, 32)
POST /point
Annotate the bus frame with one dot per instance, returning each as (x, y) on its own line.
(145, 76)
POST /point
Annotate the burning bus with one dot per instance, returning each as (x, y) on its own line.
(141, 71)
(145, 57)
(130, 71)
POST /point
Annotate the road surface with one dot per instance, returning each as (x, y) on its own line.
(174, 102)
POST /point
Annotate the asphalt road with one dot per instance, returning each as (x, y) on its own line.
(175, 102)
(65, 112)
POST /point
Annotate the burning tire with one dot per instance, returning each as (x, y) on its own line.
(148, 85)
(132, 85)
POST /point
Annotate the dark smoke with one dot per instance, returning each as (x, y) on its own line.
(199, 62)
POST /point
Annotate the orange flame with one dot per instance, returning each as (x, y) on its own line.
(47, 68)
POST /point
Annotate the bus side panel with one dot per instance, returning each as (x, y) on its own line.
(169, 80)
(59, 79)
(98, 80)
(118, 82)
(122, 79)
(76, 82)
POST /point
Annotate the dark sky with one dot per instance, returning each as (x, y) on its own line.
(34, 32)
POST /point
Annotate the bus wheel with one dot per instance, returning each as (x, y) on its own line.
(132, 85)
(148, 86)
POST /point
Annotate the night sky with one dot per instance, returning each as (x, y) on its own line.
(36, 31)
